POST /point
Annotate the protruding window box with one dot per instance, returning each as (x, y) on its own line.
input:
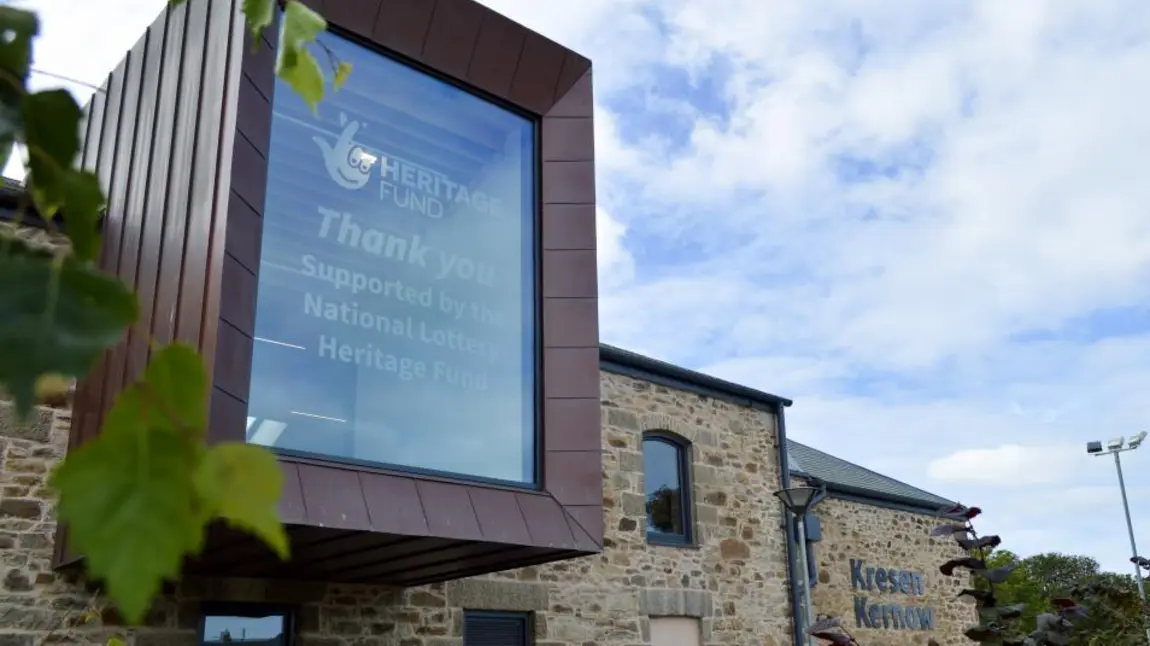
(396, 293)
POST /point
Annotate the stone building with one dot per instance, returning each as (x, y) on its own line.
(396, 293)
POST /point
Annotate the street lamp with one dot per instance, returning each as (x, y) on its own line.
(1116, 446)
(798, 501)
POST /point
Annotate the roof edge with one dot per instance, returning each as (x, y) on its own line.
(618, 360)
(878, 498)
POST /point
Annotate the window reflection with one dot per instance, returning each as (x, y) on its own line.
(259, 630)
(663, 469)
(395, 311)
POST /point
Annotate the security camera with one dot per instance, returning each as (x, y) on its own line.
(1094, 447)
(1115, 443)
(1136, 441)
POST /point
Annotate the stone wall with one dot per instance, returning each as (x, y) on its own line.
(734, 581)
(896, 542)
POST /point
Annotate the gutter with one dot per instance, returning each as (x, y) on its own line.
(890, 502)
(618, 360)
(878, 498)
(789, 525)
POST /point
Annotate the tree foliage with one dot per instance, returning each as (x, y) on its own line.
(138, 498)
(1021, 588)
(1114, 613)
(1057, 573)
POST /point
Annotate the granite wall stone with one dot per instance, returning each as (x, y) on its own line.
(897, 542)
(733, 580)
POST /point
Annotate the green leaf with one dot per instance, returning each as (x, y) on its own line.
(78, 196)
(175, 384)
(116, 641)
(128, 501)
(17, 29)
(304, 75)
(128, 496)
(259, 14)
(51, 126)
(56, 316)
(294, 62)
(300, 25)
(51, 131)
(342, 71)
(83, 203)
(242, 483)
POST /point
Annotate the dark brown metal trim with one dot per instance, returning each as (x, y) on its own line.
(540, 78)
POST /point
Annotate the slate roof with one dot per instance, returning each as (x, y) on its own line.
(851, 478)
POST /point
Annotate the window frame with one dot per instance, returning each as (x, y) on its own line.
(526, 618)
(246, 609)
(684, 460)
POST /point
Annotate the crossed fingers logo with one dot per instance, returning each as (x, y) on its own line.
(348, 163)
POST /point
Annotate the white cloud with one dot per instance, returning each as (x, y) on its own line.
(1007, 465)
(616, 266)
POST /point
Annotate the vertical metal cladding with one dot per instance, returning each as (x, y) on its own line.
(153, 136)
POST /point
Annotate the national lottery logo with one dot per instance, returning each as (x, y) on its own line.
(347, 162)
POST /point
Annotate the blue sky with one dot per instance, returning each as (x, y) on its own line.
(927, 223)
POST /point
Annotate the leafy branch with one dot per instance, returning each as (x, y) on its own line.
(138, 498)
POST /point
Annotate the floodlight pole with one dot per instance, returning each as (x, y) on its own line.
(1117, 451)
(1130, 531)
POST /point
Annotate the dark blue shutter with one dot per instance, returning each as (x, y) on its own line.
(495, 629)
(814, 532)
(814, 528)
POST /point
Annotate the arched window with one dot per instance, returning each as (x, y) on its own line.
(666, 474)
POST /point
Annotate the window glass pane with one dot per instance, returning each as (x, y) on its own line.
(494, 629)
(661, 462)
(395, 315)
(267, 630)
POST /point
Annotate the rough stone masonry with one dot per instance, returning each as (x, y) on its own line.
(858, 537)
(733, 582)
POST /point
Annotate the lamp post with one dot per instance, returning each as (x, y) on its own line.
(1116, 447)
(798, 501)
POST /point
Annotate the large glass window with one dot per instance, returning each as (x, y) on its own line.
(665, 476)
(396, 319)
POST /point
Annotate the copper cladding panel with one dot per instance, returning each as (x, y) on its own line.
(154, 137)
